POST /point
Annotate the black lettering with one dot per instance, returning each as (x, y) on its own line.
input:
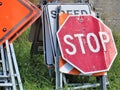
(84, 12)
(53, 14)
(76, 12)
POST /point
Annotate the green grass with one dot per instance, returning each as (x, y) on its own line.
(34, 73)
(114, 73)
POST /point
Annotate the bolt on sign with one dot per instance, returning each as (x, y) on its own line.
(87, 44)
(15, 17)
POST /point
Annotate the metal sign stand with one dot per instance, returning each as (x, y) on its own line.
(9, 74)
(102, 83)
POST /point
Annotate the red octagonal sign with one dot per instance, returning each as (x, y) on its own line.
(87, 44)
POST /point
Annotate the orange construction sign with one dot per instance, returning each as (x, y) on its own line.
(15, 17)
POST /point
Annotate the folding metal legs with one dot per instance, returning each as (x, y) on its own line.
(16, 67)
(10, 75)
(75, 86)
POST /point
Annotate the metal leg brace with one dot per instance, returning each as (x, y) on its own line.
(75, 86)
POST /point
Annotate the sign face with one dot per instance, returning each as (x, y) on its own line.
(87, 44)
(72, 9)
(15, 17)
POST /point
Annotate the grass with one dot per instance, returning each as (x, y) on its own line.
(114, 73)
(34, 73)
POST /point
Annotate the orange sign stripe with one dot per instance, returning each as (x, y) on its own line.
(61, 62)
(74, 72)
(62, 18)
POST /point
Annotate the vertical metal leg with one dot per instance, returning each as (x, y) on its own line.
(103, 83)
(57, 75)
(10, 72)
(16, 67)
(64, 79)
(4, 65)
(61, 81)
(10, 65)
(57, 47)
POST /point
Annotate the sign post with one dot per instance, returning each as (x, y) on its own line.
(87, 44)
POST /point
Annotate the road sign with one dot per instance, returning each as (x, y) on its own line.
(15, 17)
(87, 44)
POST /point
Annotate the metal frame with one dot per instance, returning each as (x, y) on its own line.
(103, 82)
(11, 76)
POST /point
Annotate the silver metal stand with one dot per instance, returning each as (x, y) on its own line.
(75, 86)
(103, 82)
(9, 74)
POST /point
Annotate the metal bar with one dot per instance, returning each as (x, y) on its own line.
(3, 60)
(55, 53)
(103, 83)
(61, 81)
(58, 78)
(48, 42)
(4, 65)
(50, 34)
(6, 85)
(10, 65)
(55, 57)
(43, 28)
(55, 49)
(16, 67)
(86, 85)
(64, 79)
(4, 76)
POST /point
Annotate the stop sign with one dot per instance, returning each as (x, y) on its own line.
(87, 44)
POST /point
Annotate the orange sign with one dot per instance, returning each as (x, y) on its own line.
(15, 17)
